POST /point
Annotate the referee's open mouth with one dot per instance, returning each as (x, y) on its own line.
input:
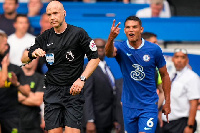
(131, 34)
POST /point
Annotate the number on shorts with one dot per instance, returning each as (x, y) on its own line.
(150, 122)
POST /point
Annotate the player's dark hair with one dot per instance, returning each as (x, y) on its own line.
(147, 35)
(134, 18)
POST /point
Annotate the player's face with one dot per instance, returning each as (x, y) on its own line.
(56, 16)
(133, 30)
(9, 6)
(3, 45)
(180, 60)
(153, 40)
(21, 25)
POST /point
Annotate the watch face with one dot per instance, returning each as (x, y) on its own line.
(83, 78)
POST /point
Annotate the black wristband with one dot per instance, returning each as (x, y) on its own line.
(30, 55)
(191, 126)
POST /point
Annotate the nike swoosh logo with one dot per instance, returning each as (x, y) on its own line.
(128, 54)
(146, 128)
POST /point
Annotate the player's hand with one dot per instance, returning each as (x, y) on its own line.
(90, 127)
(5, 61)
(114, 30)
(14, 79)
(188, 130)
(77, 87)
(38, 53)
(166, 110)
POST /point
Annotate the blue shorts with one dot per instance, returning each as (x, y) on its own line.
(140, 120)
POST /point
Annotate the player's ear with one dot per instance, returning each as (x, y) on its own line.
(142, 29)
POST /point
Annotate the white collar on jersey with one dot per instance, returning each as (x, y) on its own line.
(127, 42)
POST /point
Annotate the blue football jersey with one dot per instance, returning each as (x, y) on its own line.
(138, 70)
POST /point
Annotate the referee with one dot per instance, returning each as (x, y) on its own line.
(64, 47)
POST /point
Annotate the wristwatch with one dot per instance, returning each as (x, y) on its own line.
(191, 126)
(83, 78)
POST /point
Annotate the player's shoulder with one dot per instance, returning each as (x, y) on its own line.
(14, 68)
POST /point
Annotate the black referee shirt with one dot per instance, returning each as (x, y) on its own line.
(65, 53)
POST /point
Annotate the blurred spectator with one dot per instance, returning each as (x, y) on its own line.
(44, 24)
(34, 8)
(12, 80)
(156, 9)
(20, 40)
(100, 97)
(185, 92)
(29, 107)
(7, 19)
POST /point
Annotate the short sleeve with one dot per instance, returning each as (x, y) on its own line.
(21, 77)
(40, 83)
(88, 45)
(159, 60)
(193, 88)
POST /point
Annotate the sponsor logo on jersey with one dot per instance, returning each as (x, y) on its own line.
(146, 57)
(50, 58)
(49, 44)
(70, 56)
(138, 73)
(93, 46)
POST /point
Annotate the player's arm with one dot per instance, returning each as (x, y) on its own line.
(166, 85)
(110, 50)
(34, 99)
(78, 84)
(4, 71)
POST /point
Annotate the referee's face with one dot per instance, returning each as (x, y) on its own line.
(56, 14)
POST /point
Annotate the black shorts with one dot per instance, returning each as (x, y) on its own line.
(10, 125)
(61, 108)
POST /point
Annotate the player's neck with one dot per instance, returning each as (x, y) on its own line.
(61, 29)
(136, 44)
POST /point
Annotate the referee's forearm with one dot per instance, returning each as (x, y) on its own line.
(25, 57)
(91, 66)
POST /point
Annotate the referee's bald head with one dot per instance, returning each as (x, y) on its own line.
(55, 5)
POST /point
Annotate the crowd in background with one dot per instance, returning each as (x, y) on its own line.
(20, 36)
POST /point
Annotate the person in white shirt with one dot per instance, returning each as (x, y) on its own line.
(185, 92)
(158, 8)
(20, 40)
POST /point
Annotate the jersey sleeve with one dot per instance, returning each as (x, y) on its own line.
(88, 45)
(159, 60)
(21, 77)
(40, 83)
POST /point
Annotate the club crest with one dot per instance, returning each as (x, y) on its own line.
(146, 57)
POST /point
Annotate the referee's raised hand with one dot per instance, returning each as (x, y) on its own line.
(114, 30)
(38, 53)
